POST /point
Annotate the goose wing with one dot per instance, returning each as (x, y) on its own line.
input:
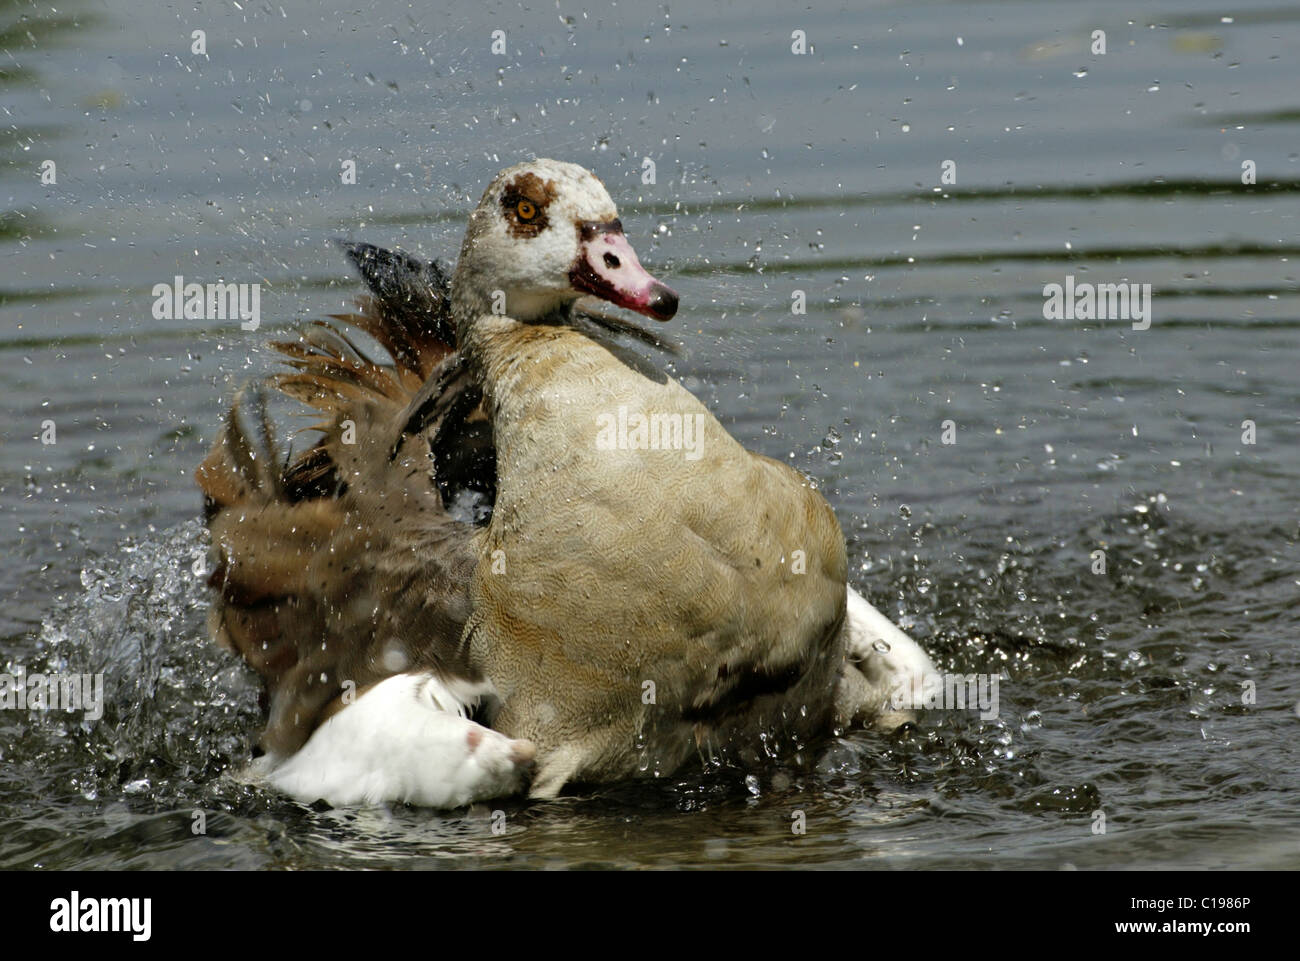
(342, 566)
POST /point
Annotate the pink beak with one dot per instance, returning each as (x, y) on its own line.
(607, 267)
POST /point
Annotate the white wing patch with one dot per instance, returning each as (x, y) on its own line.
(887, 660)
(405, 740)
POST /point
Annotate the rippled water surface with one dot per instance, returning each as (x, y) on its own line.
(1163, 692)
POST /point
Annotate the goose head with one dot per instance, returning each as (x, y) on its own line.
(545, 234)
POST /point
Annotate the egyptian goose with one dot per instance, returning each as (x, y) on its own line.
(519, 555)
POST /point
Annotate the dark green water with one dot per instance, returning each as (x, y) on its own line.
(1120, 692)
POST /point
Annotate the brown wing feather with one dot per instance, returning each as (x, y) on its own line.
(343, 566)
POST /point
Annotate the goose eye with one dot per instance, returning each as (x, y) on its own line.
(525, 210)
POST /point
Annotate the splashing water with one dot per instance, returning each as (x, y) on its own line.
(176, 710)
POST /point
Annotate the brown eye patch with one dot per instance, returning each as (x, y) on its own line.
(524, 202)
